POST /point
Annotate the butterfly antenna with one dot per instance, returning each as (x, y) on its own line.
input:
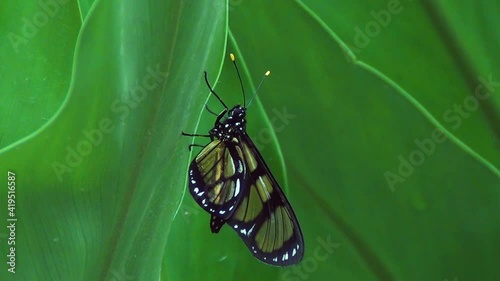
(258, 87)
(233, 58)
(212, 90)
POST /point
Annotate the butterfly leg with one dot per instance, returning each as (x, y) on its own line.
(219, 117)
(194, 145)
(195, 135)
(212, 112)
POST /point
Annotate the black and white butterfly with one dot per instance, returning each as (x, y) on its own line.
(230, 180)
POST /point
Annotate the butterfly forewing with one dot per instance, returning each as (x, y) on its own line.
(216, 176)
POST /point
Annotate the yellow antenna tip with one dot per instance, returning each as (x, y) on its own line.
(232, 57)
(268, 73)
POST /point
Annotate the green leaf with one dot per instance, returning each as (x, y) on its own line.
(369, 121)
(358, 114)
(95, 187)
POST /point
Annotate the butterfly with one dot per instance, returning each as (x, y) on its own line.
(231, 181)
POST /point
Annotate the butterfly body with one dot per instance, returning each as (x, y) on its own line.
(230, 180)
(234, 123)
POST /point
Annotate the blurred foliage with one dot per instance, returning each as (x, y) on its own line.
(380, 119)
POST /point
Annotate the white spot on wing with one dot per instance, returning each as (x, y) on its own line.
(237, 187)
(251, 229)
(253, 249)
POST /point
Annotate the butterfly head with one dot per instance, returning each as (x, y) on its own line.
(233, 124)
(237, 113)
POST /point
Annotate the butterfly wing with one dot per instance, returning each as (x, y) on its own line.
(216, 176)
(264, 218)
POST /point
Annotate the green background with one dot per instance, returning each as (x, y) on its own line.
(94, 137)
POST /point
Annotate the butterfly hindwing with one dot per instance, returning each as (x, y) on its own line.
(264, 218)
(216, 176)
